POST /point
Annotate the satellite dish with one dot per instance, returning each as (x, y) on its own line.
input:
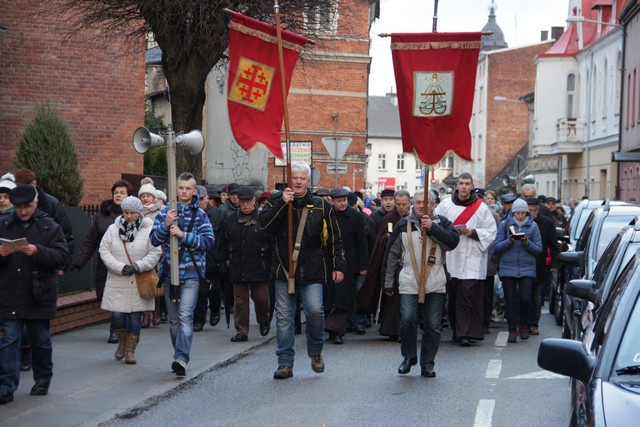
(143, 140)
(193, 142)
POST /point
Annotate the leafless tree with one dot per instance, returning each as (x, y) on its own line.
(193, 36)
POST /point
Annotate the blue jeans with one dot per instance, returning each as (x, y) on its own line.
(41, 352)
(432, 319)
(312, 304)
(132, 322)
(517, 297)
(181, 318)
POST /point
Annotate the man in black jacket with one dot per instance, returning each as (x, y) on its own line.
(213, 270)
(549, 245)
(28, 289)
(339, 297)
(247, 250)
(319, 236)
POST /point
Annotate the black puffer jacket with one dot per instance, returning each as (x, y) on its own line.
(247, 247)
(109, 211)
(321, 232)
(17, 269)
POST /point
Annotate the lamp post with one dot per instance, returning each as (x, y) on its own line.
(193, 142)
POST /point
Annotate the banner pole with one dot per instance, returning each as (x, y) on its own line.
(435, 17)
(287, 134)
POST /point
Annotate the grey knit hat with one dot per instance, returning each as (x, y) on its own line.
(518, 206)
(132, 203)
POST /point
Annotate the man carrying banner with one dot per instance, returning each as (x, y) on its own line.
(404, 256)
(467, 264)
(316, 233)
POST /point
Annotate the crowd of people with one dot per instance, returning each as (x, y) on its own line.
(347, 261)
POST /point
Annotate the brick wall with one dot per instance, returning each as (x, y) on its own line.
(78, 310)
(96, 86)
(511, 73)
(328, 96)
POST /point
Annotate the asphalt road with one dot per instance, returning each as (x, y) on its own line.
(490, 384)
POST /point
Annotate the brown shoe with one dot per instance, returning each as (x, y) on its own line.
(122, 343)
(283, 372)
(146, 319)
(533, 330)
(317, 363)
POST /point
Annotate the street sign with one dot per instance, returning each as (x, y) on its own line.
(341, 167)
(336, 147)
(300, 152)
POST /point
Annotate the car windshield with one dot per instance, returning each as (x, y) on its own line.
(610, 227)
(628, 357)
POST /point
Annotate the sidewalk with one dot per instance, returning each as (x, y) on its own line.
(89, 386)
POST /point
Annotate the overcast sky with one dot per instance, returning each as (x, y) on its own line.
(520, 20)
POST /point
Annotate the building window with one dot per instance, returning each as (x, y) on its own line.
(633, 101)
(382, 162)
(320, 19)
(594, 93)
(447, 162)
(628, 97)
(618, 83)
(605, 91)
(571, 88)
(400, 162)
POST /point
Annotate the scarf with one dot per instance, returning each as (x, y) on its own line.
(152, 207)
(456, 200)
(521, 223)
(127, 231)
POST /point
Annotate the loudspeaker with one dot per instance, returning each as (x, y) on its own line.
(529, 179)
(508, 180)
(143, 140)
(193, 142)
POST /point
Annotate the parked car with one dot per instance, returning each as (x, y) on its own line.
(606, 374)
(567, 272)
(592, 293)
(601, 227)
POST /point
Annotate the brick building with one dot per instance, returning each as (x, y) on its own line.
(97, 88)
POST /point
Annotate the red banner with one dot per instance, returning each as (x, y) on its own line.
(435, 79)
(256, 107)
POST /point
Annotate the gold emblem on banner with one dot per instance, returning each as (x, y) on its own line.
(252, 84)
(433, 93)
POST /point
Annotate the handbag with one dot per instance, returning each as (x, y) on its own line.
(146, 281)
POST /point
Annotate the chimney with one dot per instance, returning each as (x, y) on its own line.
(544, 35)
(556, 32)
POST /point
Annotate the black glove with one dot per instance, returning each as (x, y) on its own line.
(135, 267)
(128, 270)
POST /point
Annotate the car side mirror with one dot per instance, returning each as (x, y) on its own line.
(566, 357)
(584, 289)
(572, 258)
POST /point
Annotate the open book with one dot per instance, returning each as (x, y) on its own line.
(15, 244)
(515, 235)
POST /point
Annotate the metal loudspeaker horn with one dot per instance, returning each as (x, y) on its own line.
(508, 180)
(143, 140)
(193, 142)
(529, 179)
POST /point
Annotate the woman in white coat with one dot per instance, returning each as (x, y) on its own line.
(131, 230)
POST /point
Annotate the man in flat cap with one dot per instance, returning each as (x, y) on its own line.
(507, 201)
(232, 204)
(387, 205)
(339, 298)
(247, 250)
(28, 289)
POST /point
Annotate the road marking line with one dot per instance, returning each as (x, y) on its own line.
(494, 368)
(484, 413)
(501, 339)
(539, 375)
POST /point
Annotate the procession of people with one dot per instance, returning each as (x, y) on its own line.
(358, 264)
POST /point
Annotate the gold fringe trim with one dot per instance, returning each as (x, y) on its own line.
(435, 45)
(264, 37)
